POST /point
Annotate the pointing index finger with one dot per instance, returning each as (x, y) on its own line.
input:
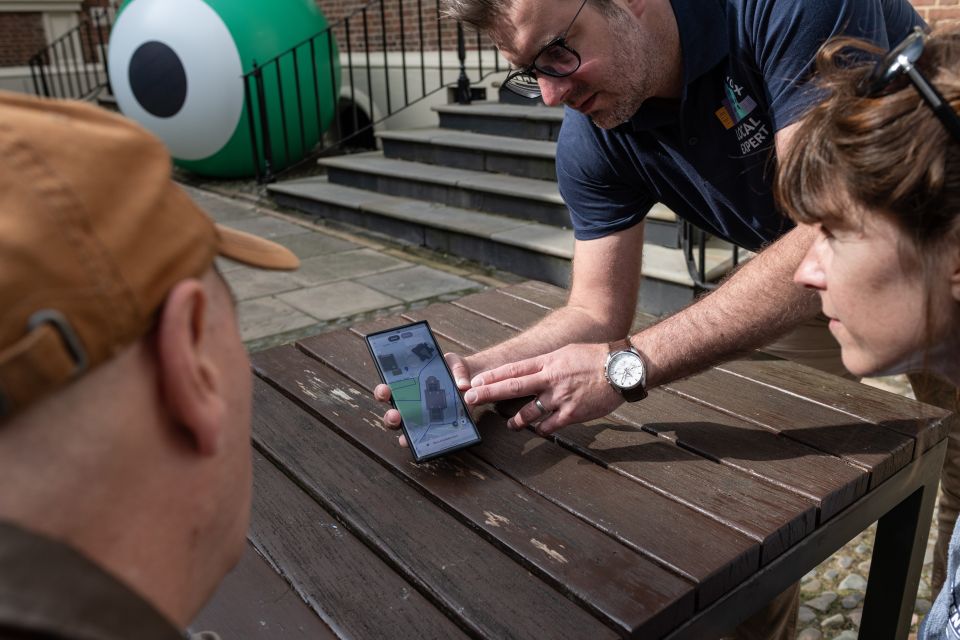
(505, 372)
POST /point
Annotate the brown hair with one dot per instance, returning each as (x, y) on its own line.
(888, 153)
(482, 15)
(855, 155)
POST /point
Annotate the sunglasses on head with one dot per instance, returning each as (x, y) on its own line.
(899, 63)
(555, 59)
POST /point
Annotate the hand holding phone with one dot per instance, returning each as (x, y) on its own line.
(435, 420)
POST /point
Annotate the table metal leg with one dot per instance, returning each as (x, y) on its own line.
(898, 551)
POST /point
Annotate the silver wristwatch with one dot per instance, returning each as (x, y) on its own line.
(626, 371)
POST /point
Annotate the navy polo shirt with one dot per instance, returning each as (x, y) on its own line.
(709, 155)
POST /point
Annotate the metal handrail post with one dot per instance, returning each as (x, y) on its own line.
(463, 82)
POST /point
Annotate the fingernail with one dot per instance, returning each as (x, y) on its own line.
(477, 382)
(511, 424)
(470, 396)
(462, 382)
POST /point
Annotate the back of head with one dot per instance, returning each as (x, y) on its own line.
(124, 386)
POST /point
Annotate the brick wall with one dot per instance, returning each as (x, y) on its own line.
(416, 16)
(933, 10)
(21, 35)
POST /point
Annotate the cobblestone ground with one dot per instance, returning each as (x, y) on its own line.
(831, 596)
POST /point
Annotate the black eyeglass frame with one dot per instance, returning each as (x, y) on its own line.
(523, 82)
(900, 62)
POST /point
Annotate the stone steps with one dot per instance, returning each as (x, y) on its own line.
(482, 185)
(526, 247)
(496, 118)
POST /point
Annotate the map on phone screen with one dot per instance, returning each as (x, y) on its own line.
(423, 391)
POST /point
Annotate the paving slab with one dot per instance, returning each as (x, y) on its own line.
(267, 227)
(338, 300)
(218, 207)
(418, 283)
(311, 245)
(344, 265)
(266, 317)
(247, 283)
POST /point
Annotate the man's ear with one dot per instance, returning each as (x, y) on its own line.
(635, 7)
(190, 381)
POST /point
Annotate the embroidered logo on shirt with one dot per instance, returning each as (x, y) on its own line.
(735, 107)
(752, 131)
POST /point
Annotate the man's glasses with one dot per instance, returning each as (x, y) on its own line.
(900, 62)
(555, 59)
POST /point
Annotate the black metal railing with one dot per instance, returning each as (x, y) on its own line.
(384, 68)
(693, 243)
(75, 64)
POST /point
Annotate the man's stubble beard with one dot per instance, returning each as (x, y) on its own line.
(628, 80)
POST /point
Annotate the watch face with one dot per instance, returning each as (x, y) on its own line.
(625, 370)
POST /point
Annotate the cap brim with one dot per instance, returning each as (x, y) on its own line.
(255, 251)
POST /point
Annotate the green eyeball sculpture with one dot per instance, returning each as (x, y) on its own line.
(177, 66)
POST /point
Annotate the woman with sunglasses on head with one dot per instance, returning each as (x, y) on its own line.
(876, 168)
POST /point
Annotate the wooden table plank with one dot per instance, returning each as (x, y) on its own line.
(776, 527)
(564, 479)
(352, 590)
(880, 451)
(666, 531)
(776, 517)
(830, 481)
(255, 602)
(546, 295)
(613, 581)
(922, 422)
(496, 305)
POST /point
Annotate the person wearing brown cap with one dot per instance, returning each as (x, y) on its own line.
(125, 390)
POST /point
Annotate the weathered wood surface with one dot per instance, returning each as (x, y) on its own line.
(253, 601)
(624, 526)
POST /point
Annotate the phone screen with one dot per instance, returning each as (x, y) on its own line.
(435, 419)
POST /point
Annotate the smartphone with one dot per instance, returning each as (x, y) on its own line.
(434, 417)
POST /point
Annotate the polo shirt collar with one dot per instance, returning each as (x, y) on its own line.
(703, 44)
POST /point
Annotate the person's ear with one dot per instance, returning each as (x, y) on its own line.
(635, 7)
(190, 381)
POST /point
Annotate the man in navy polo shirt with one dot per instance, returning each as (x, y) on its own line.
(684, 102)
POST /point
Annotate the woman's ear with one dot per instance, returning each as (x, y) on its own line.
(190, 381)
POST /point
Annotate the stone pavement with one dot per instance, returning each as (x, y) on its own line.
(345, 277)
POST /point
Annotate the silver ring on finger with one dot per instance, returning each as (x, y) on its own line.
(543, 410)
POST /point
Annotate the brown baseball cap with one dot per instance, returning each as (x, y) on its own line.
(93, 235)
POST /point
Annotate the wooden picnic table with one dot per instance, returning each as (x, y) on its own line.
(675, 517)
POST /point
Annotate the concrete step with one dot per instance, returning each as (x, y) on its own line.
(526, 199)
(534, 122)
(524, 247)
(523, 198)
(474, 151)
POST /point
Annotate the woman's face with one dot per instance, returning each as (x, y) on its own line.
(876, 301)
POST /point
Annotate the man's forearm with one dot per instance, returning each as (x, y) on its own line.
(753, 307)
(566, 325)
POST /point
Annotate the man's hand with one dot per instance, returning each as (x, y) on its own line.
(461, 375)
(569, 384)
